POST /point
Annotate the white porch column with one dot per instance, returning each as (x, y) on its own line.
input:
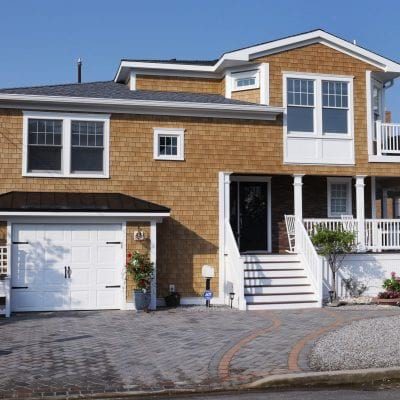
(153, 259)
(360, 205)
(298, 197)
(373, 197)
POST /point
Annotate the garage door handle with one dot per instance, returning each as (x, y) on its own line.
(112, 286)
(20, 242)
(19, 287)
(69, 272)
(65, 272)
(113, 242)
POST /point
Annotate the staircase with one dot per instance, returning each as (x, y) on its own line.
(277, 282)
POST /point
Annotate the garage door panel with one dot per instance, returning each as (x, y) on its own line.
(40, 266)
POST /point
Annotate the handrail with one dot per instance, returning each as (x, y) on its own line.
(312, 262)
(234, 268)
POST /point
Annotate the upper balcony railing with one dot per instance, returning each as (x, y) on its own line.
(387, 139)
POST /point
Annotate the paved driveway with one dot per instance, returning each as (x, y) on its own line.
(91, 352)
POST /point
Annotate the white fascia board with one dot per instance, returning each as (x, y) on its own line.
(143, 215)
(261, 112)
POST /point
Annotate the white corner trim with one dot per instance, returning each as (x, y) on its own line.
(179, 133)
(66, 118)
(344, 180)
(264, 83)
(252, 73)
(228, 85)
(368, 95)
(132, 81)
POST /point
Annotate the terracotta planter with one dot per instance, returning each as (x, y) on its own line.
(387, 302)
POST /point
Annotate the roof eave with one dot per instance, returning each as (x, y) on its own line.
(236, 111)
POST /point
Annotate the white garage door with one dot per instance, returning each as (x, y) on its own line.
(66, 267)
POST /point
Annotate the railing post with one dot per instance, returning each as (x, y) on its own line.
(360, 203)
(378, 138)
(298, 204)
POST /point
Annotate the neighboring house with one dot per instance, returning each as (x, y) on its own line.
(205, 158)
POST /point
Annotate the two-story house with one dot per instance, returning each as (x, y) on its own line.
(205, 159)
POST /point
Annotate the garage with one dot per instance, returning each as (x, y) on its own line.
(67, 251)
(66, 267)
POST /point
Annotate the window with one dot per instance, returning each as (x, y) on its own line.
(71, 145)
(87, 146)
(318, 105)
(335, 106)
(339, 197)
(300, 105)
(44, 145)
(245, 80)
(168, 144)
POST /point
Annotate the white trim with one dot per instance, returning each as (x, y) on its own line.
(180, 108)
(238, 57)
(228, 85)
(132, 80)
(384, 159)
(136, 215)
(153, 259)
(373, 197)
(123, 271)
(339, 180)
(66, 143)
(179, 133)
(253, 73)
(368, 95)
(264, 83)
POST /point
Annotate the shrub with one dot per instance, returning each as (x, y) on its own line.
(391, 286)
(140, 267)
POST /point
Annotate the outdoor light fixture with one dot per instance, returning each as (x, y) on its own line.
(231, 297)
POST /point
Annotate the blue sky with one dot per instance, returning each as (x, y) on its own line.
(41, 39)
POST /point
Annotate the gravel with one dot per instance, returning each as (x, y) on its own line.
(371, 343)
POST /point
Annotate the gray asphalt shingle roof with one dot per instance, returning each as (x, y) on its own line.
(113, 90)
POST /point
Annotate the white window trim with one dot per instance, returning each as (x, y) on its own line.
(179, 133)
(255, 73)
(318, 78)
(347, 182)
(66, 144)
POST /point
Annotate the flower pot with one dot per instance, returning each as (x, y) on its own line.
(141, 300)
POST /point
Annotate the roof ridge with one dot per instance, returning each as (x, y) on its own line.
(58, 84)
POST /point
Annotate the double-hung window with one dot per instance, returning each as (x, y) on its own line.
(339, 197)
(65, 145)
(318, 105)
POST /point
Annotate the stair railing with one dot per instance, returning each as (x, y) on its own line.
(234, 267)
(312, 261)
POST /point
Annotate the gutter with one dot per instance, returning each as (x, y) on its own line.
(237, 111)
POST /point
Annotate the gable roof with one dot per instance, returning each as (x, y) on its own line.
(246, 54)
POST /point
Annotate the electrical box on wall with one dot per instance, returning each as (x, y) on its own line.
(139, 235)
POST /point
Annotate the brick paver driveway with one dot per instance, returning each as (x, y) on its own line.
(110, 351)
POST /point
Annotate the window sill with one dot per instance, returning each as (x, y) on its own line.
(60, 176)
(246, 88)
(169, 159)
(312, 135)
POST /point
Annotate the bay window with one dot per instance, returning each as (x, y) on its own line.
(65, 145)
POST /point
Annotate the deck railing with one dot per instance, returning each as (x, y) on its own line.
(387, 138)
(5, 280)
(380, 234)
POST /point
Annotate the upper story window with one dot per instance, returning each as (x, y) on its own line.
(319, 105)
(69, 145)
(246, 80)
(169, 144)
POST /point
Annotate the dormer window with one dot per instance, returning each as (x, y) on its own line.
(65, 145)
(246, 80)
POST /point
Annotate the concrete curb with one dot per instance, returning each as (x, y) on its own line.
(327, 378)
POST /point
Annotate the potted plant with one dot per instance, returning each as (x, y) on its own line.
(391, 295)
(333, 245)
(141, 269)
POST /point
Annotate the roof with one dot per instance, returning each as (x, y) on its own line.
(243, 55)
(175, 61)
(114, 90)
(76, 202)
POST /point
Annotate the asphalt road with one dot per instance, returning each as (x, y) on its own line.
(331, 394)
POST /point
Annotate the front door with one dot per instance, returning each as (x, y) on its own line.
(249, 215)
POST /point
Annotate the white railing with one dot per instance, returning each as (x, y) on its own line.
(5, 279)
(234, 267)
(387, 138)
(382, 234)
(312, 224)
(4, 254)
(312, 262)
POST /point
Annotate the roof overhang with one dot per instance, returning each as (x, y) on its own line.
(238, 57)
(60, 103)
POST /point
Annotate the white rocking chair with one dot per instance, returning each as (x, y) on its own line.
(291, 231)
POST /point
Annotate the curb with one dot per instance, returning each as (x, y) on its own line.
(327, 378)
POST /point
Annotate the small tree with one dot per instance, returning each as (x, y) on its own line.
(333, 245)
(141, 269)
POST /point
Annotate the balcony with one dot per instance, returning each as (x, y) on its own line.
(386, 143)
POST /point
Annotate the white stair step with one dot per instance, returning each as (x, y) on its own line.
(281, 297)
(287, 280)
(273, 265)
(282, 306)
(278, 289)
(274, 273)
(270, 257)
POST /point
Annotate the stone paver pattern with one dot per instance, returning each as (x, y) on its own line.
(65, 353)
